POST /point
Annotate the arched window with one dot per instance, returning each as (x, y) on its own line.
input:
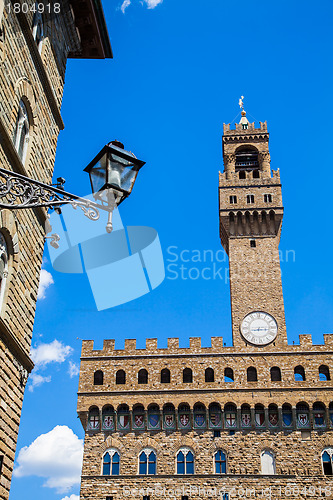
(143, 376)
(228, 375)
(138, 417)
(273, 415)
(169, 417)
(326, 459)
(21, 136)
(215, 416)
(165, 376)
(330, 411)
(3, 267)
(275, 374)
(111, 463)
(93, 419)
(252, 374)
(324, 373)
(246, 159)
(199, 416)
(154, 420)
(259, 415)
(108, 418)
(319, 415)
(184, 416)
(220, 462)
(147, 462)
(245, 416)
(267, 462)
(187, 376)
(287, 415)
(38, 28)
(98, 377)
(123, 418)
(302, 413)
(185, 461)
(299, 373)
(230, 416)
(209, 375)
(120, 377)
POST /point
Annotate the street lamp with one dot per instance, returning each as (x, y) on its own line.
(112, 175)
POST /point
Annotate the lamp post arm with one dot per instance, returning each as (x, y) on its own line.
(19, 192)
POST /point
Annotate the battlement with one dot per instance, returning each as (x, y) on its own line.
(232, 178)
(195, 347)
(239, 130)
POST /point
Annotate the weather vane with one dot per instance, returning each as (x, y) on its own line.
(240, 102)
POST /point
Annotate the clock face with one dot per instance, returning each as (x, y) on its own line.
(259, 328)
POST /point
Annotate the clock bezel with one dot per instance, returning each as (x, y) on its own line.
(252, 343)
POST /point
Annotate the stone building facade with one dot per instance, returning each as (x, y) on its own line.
(34, 48)
(250, 420)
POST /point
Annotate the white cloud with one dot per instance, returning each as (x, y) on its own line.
(72, 497)
(124, 5)
(56, 456)
(55, 352)
(151, 4)
(35, 380)
(73, 369)
(45, 281)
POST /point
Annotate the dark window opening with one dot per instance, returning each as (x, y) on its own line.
(217, 434)
(143, 376)
(233, 200)
(109, 498)
(267, 198)
(327, 464)
(242, 175)
(275, 374)
(252, 374)
(324, 373)
(209, 375)
(245, 126)
(299, 373)
(184, 497)
(120, 377)
(98, 377)
(231, 433)
(187, 376)
(1, 463)
(253, 243)
(146, 497)
(250, 198)
(165, 376)
(256, 174)
(228, 375)
(246, 159)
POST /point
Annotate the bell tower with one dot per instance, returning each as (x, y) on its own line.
(251, 212)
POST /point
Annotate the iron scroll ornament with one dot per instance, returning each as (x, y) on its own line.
(19, 192)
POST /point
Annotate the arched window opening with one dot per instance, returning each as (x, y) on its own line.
(275, 374)
(324, 373)
(220, 462)
(326, 459)
(252, 374)
(3, 267)
(21, 136)
(187, 376)
(299, 373)
(169, 417)
(143, 376)
(245, 416)
(123, 415)
(256, 174)
(287, 415)
(242, 175)
(199, 416)
(185, 461)
(147, 462)
(165, 376)
(273, 415)
(230, 413)
(228, 375)
(38, 28)
(302, 415)
(120, 377)
(259, 415)
(215, 416)
(267, 462)
(246, 159)
(319, 415)
(108, 418)
(209, 375)
(111, 463)
(93, 419)
(138, 417)
(154, 421)
(98, 377)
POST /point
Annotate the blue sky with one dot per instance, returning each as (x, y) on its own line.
(177, 74)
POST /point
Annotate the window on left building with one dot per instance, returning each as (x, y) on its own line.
(185, 461)
(326, 459)
(111, 463)
(3, 267)
(147, 462)
(21, 137)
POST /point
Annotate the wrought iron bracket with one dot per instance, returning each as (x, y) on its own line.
(19, 192)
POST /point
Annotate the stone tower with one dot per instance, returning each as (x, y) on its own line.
(251, 214)
(251, 420)
(34, 48)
